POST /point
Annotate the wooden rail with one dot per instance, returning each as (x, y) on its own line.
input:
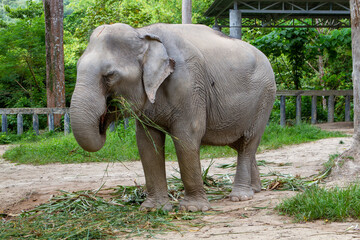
(314, 94)
(281, 93)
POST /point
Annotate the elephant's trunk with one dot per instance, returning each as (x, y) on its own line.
(88, 117)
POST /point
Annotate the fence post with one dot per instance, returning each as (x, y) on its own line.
(126, 123)
(313, 109)
(51, 122)
(331, 102)
(298, 109)
(66, 124)
(282, 111)
(347, 108)
(36, 123)
(4, 123)
(112, 126)
(20, 124)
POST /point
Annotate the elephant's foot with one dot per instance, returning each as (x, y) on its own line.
(195, 204)
(237, 195)
(152, 203)
(256, 187)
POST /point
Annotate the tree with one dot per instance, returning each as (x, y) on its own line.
(355, 37)
(55, 78)
(348, 163)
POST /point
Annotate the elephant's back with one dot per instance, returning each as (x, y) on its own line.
(237, 78)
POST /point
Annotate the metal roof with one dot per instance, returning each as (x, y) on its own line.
(273, 10)
(314, 8)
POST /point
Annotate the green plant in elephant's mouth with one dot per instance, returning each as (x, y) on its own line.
(121, 108)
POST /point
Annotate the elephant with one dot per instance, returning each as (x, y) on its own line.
(199, 85)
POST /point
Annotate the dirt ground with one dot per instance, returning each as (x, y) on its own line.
(24, 186)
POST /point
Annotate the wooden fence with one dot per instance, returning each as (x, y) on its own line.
(34, 112)
(314, 95)
(282, 94)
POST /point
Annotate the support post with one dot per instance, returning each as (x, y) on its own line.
(331, 103)
(36, 123)
(282, 111)
(298, 109)
(235, 22)
(66, 124)
(51, 122)
(20, 124)
(186, 11)
(313, 110)
(4, 123)
(216, 26)
(347, 108)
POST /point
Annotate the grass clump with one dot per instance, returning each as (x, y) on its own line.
(121, 146)
(335, 204)
(84, 215)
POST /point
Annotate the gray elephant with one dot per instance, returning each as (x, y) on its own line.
(202, 87)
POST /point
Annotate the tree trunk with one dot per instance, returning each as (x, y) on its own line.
(186, 11)
(347, 166)
(355, 38)
(55, 78)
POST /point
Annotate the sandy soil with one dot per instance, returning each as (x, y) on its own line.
(25, 186)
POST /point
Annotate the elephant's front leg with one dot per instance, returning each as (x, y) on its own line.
(188, 153)
(153, 161)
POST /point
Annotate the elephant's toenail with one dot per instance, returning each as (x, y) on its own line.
(235, 199)
(192, 209)
(205, 208)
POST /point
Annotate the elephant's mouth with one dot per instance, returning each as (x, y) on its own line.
(106, 119)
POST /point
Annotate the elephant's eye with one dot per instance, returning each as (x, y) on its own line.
(108, 77)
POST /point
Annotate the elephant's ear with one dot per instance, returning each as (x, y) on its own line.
(157, 65)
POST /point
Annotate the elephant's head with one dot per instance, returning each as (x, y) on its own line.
(119, 61)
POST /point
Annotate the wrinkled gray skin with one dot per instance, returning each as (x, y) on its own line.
(198, 84)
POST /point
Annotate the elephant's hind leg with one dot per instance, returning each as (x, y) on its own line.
(255, 176)
(153, 161)
(247, 179)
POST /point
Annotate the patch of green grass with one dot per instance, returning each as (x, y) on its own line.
(121, 146)
(276, 136)
(333, 204)
(27, 137)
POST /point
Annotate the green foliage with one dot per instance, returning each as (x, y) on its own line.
(137, 13)
(290, 42)
(22, 58)
(32, 10)
(12, 4)
(335, 204)
(121, 146)
(294, 53)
